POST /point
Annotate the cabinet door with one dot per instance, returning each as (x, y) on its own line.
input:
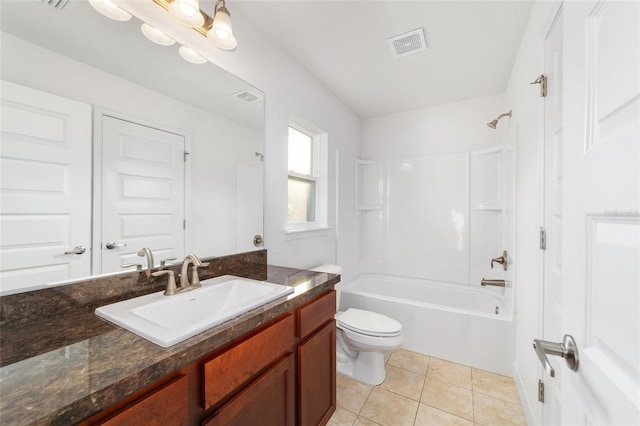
(268, 400)
(317, 376)
(166, 405)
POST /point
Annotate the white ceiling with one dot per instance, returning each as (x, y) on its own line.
(471, 47)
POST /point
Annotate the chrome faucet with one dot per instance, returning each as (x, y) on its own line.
(195, 280)
(145, 252)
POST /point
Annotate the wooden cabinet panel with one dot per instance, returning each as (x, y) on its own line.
(166, 405)
(268, 400)
(317, 377)
(230, 370)
(315, 314)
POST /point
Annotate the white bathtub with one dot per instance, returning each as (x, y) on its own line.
(449, 321)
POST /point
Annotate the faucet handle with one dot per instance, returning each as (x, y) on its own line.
(163, 262)
(503, 260)
(195, 279)
(171, 284)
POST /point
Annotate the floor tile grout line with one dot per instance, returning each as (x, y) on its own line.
(473, 400)
(446, 411)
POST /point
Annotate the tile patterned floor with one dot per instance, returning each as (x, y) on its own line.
(421, 390)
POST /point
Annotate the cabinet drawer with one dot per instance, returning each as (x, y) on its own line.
(315, 314)
(230, 370)
(166, 405)
(269, 400)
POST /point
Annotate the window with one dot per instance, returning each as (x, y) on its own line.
(307, 186)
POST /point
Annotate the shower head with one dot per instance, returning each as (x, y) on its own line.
(494, 123)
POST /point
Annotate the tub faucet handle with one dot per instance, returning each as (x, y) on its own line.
(503, 260)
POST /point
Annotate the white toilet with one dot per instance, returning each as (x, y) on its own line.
(362, 339)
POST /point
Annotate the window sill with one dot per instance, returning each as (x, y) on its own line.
(297, 234)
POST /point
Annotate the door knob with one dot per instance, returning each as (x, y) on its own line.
(113, 245)
(567, 349)
(76, 250)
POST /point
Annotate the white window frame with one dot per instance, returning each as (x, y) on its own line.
(319, 175)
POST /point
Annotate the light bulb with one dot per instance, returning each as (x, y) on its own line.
(187, 12)
(156, 36)
(221, 33)
(110, 10)
(191, 55)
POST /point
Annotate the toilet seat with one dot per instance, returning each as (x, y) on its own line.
(368, 323)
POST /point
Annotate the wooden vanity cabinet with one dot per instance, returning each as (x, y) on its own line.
(281, 374)
(317, 360)
(165, 405)
(267, 399)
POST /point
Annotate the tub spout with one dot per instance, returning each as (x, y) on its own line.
(497, 283)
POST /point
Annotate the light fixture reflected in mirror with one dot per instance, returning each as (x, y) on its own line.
(187, 12)
(156, 36)
(218, 29)
(110, 10)
(191, 55)
(221, 33)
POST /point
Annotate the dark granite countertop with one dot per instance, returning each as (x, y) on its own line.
(63, 364)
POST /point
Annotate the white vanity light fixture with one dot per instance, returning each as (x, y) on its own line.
(191, 55)
(110, 10)
(156, 35)
(221, 33)
(187, 12)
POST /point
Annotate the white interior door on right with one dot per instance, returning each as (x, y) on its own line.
(143, 186)
(601, 211)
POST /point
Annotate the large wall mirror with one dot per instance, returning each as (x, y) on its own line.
(150, 150)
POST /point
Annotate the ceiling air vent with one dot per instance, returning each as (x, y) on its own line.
(247, 96)
(56, 4)
(407, 43)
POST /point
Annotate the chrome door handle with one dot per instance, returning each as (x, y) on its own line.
(113, 245)
(567, 349)
(76, 250)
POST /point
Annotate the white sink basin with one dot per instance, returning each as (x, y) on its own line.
(167, 320)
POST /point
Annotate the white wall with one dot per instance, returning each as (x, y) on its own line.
(526, 103)
(217, 144)
(291, 92)
(454, 127)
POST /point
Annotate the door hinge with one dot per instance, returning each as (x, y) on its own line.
(542, 81)
(185, 156)
(543, 238)
(184, 224)
(540, 391)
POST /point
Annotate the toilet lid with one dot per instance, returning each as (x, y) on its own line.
(369, 323)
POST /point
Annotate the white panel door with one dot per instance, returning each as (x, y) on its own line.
(45, 188)
(601, 211)
(552, 290)
(142, 193)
